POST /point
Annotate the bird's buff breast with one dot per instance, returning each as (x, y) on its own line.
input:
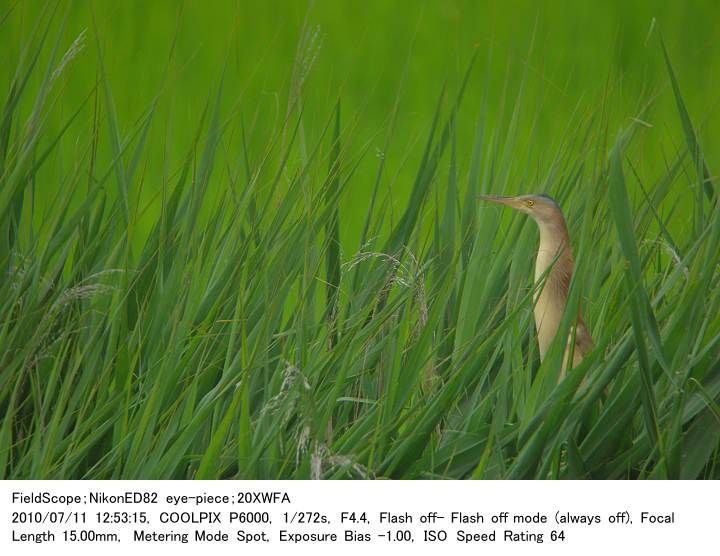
(547, 318)
(549, 304)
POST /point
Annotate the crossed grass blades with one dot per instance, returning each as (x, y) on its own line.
(237, 340)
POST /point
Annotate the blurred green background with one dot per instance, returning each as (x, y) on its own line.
(571, 55)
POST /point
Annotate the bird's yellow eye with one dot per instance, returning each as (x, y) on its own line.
(529, 202)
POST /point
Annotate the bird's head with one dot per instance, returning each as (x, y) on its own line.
(541, 207)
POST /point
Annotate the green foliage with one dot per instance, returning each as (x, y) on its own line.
(225, 328)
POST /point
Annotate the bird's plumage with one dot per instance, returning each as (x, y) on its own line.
(554, 265)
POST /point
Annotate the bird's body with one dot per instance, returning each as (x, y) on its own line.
(553, 270)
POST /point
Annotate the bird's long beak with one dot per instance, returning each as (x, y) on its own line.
(508, 201)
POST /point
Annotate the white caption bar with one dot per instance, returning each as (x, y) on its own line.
(410, 517)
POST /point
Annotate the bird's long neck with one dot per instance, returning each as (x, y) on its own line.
(554, 244)
(553, 254)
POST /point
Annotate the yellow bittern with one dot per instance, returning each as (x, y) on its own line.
(554, 254)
